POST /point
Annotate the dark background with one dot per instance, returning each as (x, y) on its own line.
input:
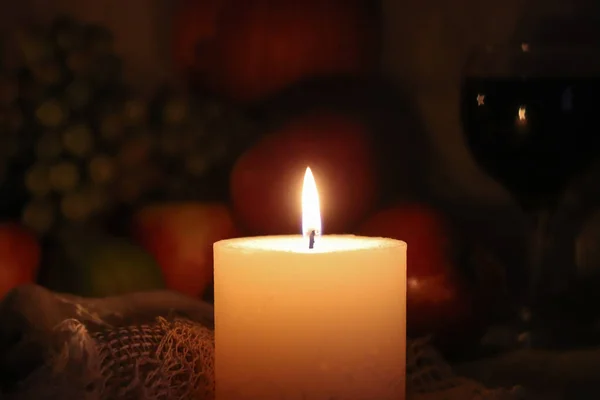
(425, 46)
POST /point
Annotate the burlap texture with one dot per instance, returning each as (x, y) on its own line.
(167, 357)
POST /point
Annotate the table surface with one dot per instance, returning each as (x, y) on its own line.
(572, 375)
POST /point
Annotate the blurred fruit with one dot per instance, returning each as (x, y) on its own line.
(426, 231)
(438, 299)
(19, 256)
(94, 265)
(194, 21)
(247, 50)
(266, 181)
(181, 236)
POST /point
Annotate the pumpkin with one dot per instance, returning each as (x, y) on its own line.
(250, 49)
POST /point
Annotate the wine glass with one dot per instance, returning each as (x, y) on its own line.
(531, 120)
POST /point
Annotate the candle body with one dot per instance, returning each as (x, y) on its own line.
(299, 324)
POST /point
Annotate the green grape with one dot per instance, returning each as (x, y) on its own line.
(135, 150)
(48, 146)
(134, 112)
(79, 94)
(78, 62)
(47, 72)
(197, 165)
(175, 111)
(78, 140)
(64, 176)
(111, 127)
(75, 206)
(67, 34)
(51, 113)
(96, 197)
(37, 180)
(102, 169)
(34, 45)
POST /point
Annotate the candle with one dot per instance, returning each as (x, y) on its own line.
(299, 323)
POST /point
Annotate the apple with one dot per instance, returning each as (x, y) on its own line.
(266, 181)
(439, 301)
(20, 254)
(180, 236)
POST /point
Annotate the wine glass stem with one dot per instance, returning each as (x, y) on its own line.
(538, 250)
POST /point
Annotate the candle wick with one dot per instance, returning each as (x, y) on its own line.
(311, 239)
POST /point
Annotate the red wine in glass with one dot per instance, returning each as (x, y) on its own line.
(532, 134)
(531, 120)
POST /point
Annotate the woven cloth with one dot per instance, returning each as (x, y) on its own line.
(151, 346)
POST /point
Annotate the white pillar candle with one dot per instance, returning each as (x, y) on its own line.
(294, 323)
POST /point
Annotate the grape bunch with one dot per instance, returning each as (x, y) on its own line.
(198, 139)
(79, 117)
(83, 144)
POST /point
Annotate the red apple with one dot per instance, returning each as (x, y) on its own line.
(180, 236)
(266, 182)
(438, 299)
(20, 254)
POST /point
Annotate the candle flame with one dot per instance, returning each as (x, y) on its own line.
(522, 113)
(311, 213)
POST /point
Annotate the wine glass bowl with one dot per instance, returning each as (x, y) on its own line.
(531, 117)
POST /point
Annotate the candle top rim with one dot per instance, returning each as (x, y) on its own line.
(299, 243)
